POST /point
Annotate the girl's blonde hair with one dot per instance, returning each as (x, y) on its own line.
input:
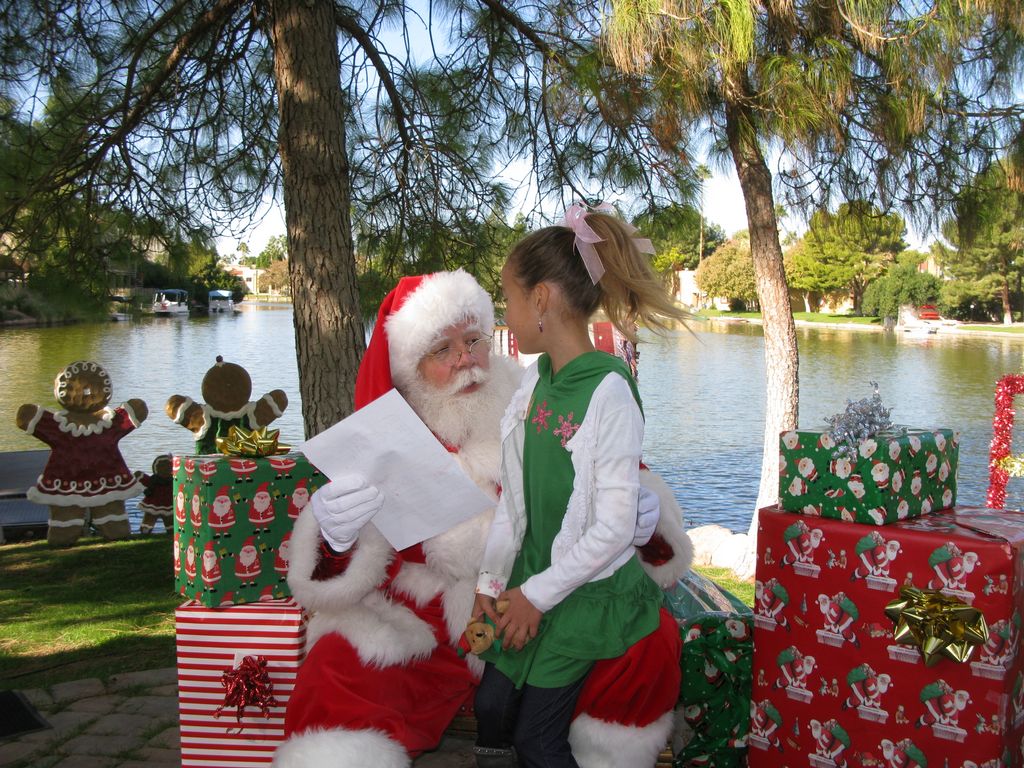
(629, 292)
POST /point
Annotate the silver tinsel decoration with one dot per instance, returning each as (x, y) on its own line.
(862, 419)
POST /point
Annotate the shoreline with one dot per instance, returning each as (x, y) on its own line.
(962, 329)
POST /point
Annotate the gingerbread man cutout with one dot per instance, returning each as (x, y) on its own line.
(226, 390)
(85, 476)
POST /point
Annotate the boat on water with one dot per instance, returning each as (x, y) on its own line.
(920, 331)
(220, 301)
(120, 310)
(170, 302)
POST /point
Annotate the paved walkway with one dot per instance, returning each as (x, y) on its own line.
(131, 721)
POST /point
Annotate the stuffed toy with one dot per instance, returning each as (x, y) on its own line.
(226, 389)
(157, 500)
(479, 634)
(85, 476)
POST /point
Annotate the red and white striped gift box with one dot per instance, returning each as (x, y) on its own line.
(212, 641)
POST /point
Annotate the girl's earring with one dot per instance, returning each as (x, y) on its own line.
(540, 325)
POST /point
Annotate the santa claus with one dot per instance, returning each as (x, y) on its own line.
(179, 506)
(247, 564)
(282, 557)
(190, 561)
(196, 516)
(211, 567)
(222, 514)
(382, 678)
(299, 499)
(261, 509)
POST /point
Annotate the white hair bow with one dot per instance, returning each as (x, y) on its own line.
(576, 219)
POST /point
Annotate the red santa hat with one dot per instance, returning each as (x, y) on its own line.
(263, 488)
(410, 320)
(223, 492)
(249, 542)
(208, 547)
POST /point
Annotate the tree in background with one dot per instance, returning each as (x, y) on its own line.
(275, 277)
(854, 245)
(808, 275)
(729, 273)
(681, 238)
(903, 284)
(897, 103)
(276, 249)
(190, 113)
(986, 238)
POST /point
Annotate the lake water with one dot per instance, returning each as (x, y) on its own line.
(703, 391)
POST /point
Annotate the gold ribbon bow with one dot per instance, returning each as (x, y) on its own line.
(255, 442)
(938, 624)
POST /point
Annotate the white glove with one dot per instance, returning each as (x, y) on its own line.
(648, 512)
(343, 507)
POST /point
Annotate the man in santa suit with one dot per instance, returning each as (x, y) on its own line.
(382, 678)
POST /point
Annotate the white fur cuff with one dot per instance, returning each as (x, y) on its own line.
(337, 747)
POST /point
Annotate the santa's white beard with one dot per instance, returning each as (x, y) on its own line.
(456, 416)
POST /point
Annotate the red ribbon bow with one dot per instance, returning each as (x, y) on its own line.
(247, 685)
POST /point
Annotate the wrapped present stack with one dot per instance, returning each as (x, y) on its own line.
(714, 697)
(847, 661)
(240, 637)
(892, 642)
(233, 516)
(236, 671)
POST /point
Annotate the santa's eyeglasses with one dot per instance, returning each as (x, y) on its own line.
(476, 347)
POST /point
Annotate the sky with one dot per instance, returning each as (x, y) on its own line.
(723, 205)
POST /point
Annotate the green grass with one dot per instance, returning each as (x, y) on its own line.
(807, 317)
(100, 607)
(91, 610)
(993, 328)
(724, 578)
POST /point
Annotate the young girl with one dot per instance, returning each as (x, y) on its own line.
(559, 549)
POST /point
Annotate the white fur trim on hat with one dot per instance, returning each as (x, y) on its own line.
(442, 300)
(318, 748)
(601, 744)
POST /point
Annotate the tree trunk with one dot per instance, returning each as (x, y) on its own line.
(807, 302)
(781, 360)
(1004, 295)
(329, 337)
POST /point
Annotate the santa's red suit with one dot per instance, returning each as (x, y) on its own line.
(382, 678)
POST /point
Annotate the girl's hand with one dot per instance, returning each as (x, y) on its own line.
(484, 605)
(518, 624)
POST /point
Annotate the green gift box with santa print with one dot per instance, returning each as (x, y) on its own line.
(233, 517)
(881, 479)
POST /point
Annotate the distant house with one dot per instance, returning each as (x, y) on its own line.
(248, 275)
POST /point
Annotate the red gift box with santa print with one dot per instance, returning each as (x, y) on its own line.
(832, 687)
(233, 517)
(218, 646)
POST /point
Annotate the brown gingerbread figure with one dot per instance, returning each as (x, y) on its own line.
(157, 502)
(85, 474)
(226, 390)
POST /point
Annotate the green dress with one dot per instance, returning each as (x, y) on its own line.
(600, 619)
